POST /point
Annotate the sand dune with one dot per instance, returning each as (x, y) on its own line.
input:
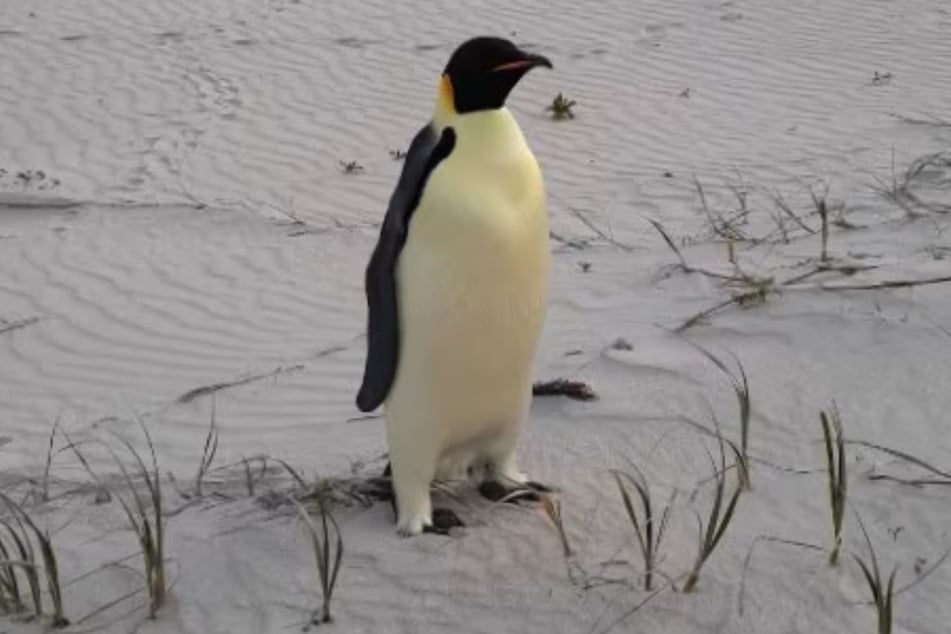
(194, 225)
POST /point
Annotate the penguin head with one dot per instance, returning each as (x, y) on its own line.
(483, 71)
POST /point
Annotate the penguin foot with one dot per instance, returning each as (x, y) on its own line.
(495, 491)
(410, 528)
(443, 521)
(380, 489)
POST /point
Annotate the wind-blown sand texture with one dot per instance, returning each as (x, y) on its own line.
(194, 225)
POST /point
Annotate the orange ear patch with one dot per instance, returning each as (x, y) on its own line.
(447, 98)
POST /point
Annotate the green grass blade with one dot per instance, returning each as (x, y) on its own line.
(631, 513)
(50, 566)
(8, 576)
(872, 580)
(648, 542)
(325, 577)
(665, 518)
(24, 548)
(294, 473)
(727, 516)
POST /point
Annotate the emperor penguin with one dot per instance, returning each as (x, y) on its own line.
(457, 288)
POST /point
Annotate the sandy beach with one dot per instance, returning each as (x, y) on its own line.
(190, 191)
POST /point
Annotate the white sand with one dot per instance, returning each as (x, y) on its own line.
(187, 131)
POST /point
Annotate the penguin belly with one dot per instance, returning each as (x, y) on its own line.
(472, 284)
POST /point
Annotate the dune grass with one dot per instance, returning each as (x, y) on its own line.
(208, 452)
(902, 189)
(649, 528)
(741, 389)
(143, 511)
(838, 476)
(882, 589)
(328, 557)
(721, 512)
(17, 551)
(822, 208)
(45, 484)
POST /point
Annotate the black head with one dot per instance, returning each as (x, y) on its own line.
(483, 71)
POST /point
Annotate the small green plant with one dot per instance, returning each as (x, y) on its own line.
(755, 292)
(351, 167)
(883, 591)
(328, 557)
(23, 532)
(143, 510)
(836, 467)
(560, 108)
(719, 517)
(649, 529)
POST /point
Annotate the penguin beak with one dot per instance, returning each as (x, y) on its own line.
(525, 62)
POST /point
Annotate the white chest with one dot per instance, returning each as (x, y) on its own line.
(472, 283)
(478, 241)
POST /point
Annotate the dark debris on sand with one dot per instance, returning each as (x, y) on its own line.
(577, 390)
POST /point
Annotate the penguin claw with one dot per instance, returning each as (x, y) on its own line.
(443, 521)
(495, 491)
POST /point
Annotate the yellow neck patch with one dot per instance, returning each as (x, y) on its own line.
(445, 101)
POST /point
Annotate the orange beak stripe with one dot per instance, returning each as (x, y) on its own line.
(521, 63)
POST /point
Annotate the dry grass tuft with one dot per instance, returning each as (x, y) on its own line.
(649, 528)
(552, 508)
(901, 191)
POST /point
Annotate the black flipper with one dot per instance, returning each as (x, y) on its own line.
(383, 332)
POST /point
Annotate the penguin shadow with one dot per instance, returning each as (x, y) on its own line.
(496, 491)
